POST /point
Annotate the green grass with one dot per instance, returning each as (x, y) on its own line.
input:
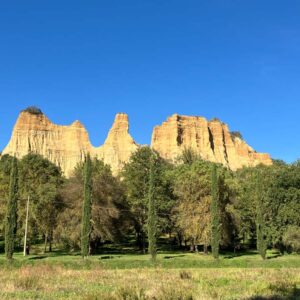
(177, 275)
(166, 260)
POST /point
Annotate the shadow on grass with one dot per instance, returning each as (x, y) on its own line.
(38, 257)
(174, 256)
(238, 254)
(274, 256)
(284, 293)
(109, 257)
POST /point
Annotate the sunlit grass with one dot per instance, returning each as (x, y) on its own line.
(133, 276)
(56, 282)
(164, 260)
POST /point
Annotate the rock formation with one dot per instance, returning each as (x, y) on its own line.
(212, 140)
(66, 146)
(118, 146)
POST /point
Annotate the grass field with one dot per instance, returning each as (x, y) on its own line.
(130, 276)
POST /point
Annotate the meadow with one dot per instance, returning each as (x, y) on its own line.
(176, 275)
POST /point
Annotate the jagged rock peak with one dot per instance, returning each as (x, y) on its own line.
(119, 145)
(77, 124)
(66, 146)
(121, 122)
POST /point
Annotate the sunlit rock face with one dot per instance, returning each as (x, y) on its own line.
(118, 146)
(66, 146)
(211, 140)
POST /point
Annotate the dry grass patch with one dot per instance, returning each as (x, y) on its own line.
(55, 282)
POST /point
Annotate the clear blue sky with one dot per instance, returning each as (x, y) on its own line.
(235, 60)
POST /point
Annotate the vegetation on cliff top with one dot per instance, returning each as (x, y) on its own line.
(33, 110)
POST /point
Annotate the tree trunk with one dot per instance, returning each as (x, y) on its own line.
(45, 244)
(205, 248)
(143, 243)
(179, 239)
(50, 242)
(192, 246)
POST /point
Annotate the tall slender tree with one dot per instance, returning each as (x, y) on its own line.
(215, 213)
(152, 215)
(11, 211)
(261, 241)
(87, 207)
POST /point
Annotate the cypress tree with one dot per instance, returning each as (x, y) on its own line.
(215, 214)
(11, 211)
(152, 218)
(261, 242)
(86, 209)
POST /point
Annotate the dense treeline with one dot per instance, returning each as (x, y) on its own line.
(193, 204)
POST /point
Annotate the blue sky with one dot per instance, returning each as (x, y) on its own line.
(235, 60)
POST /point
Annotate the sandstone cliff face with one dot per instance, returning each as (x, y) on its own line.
(210, 139)
(66, 146)
(118, 146)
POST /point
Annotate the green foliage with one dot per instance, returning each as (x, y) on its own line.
(291, 238)
(214, 119)
(261, 235)
(171, 204)
(215, 213)
(109, 214)
(137, 181)
(33, 110)
(41, 180)
(11, 211)
(86, 207)
(192, 187)
(236, 134)
(5, 170)
(188, 156)
(152, 217)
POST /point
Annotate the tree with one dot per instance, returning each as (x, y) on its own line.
(188, 156)
(283, 201)
(152, 217)
(192, 187)
(86, 208)
(137, 181)
(110, 217)
(291, 238)
(215, 213)
(41, 180)
(11, 211)
(6, 162)
(261, 235)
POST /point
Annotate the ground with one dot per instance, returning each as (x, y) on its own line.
(177, 275)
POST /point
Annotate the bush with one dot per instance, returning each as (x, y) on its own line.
(33, 110)
(215, 120)
(291, 239)
(236, 134)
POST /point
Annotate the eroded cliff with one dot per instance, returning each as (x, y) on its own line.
(66, 146)
(211, 140)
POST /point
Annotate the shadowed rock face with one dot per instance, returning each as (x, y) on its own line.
(210, 139)
(66, 146)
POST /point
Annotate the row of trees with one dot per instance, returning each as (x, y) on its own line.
(193, 203)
